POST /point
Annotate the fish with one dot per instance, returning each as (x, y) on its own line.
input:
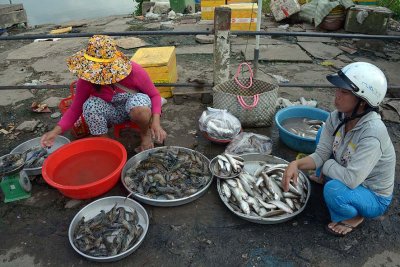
(226, 167)
(226, 190)
(263, 196)
(35, 157)
(304, 127)
(11, 162)
(168, 173)
(279, 204)
(108, 233)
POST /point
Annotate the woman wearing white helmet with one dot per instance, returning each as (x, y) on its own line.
(355, 152)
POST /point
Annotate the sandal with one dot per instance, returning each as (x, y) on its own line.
(334, 233)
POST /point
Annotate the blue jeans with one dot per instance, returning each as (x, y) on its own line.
(345, 203)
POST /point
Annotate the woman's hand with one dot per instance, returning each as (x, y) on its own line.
(157, 132)
(291, 173)
(48, 138)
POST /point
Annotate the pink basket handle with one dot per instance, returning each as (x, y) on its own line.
(237, 75)
(247, 106)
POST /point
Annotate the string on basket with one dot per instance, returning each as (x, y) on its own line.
(237, 75)
(239, 97)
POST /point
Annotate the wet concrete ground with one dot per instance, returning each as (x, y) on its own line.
(203, 232)
(33, 232)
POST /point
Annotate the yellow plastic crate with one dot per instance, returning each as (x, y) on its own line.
(160, 64)
(243, 16)
(207, 8)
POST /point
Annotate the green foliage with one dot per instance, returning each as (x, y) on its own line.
(393, 5)
(265, 6)
(138, 11)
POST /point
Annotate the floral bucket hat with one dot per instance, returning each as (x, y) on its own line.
(100, 62)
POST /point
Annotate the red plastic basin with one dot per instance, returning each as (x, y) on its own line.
(85, 168)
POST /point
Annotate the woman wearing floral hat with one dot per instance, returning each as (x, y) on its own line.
(110, 90)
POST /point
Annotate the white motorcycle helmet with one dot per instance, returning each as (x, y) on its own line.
(363, 79)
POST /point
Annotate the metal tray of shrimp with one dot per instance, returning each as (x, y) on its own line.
(252, 162)
(167, 176)
(105, 205)
(36, 167)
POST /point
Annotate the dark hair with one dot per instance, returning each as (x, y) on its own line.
(97, 87)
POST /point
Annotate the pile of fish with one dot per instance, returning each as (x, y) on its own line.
(247, 142)
(261, 194)
(222, 129)
(108, 233)
(11, 162)
(30, 158)
(303, 127)
(227, 165)
(35, 157)
(168, 173)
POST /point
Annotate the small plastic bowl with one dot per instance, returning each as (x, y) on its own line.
(85, 168)
(212, 164)
(215, 140)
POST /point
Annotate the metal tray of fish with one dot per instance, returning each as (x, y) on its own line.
(221, 167)
(32, 144)
(10, 163)
(167, 176)
(106, 205)
(252, 163)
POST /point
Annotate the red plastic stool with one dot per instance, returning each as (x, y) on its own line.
(124, 125)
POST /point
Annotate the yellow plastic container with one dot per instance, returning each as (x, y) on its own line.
(243, 16)
(62, 30)
(160, 64)
(207, 8)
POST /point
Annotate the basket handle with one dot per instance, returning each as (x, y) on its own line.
(247, 106)
(237, 75)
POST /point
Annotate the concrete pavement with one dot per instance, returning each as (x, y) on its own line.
(204, 232)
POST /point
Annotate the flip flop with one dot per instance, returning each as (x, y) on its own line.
(353, 228)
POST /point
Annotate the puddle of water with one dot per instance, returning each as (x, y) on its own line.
(50, 11)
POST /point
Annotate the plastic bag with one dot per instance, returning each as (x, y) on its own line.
(219, 124)
(250, 143)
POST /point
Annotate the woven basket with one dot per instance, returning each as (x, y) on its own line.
(254, 107)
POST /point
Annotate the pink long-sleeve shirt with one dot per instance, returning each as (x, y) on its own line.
(138, 80)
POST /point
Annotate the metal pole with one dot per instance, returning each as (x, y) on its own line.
(166, 33)
(257, 48)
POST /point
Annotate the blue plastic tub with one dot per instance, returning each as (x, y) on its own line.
(295, 142)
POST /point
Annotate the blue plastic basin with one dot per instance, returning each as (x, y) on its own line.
(295, 142)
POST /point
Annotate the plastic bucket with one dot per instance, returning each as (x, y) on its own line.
(85, 168)
(295, 142)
